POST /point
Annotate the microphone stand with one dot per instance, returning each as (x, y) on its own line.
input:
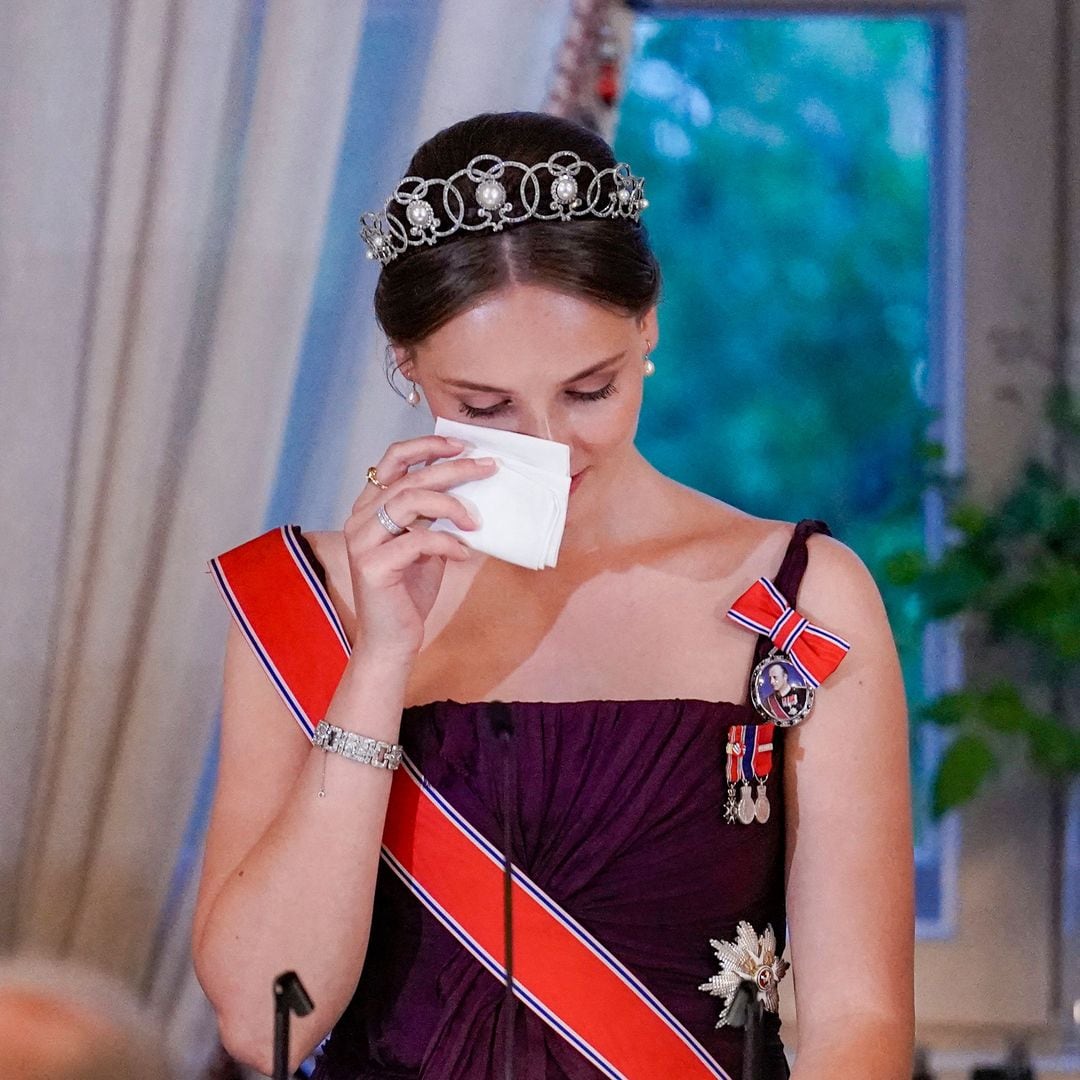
(289, 997)
(752, 1042)
(502, 726)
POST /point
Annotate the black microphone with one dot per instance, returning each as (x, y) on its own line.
(502, 726)
(289, 997)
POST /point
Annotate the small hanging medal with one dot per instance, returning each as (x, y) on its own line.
(762, 809)
(747, 810)
(803, 655)
(749, 762)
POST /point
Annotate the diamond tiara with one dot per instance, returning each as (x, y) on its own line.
(435, 209)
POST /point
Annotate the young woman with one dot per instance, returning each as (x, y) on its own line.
(596, 834)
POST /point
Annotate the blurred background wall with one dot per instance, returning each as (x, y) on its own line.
(865, 210)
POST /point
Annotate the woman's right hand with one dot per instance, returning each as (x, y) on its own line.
(396, 579)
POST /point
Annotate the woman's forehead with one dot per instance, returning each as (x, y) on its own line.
(524, 323)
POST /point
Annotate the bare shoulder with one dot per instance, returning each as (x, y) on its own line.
(839, 591)
(726, 540)
(837, 581)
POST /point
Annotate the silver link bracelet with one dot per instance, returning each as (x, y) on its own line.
(368, 751)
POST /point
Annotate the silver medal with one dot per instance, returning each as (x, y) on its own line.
(761, 804)
(746, 805)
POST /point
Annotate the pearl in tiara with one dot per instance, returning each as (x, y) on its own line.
(435, 209)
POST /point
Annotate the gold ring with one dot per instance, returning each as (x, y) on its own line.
(373, 479)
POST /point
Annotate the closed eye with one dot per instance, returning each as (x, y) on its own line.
(577, 395)
(474, 414)
(595, 395)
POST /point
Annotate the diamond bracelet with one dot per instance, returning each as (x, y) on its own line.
(368, 751)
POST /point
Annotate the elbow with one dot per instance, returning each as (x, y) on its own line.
(255, 1048)
(247, 1035)
(244, 1009)
(245, 1045)
(243, 1048)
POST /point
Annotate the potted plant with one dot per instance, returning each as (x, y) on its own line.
(1013, 573)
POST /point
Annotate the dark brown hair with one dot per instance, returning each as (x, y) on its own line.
(607, 260)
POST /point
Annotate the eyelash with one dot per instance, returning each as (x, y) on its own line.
(593, 395)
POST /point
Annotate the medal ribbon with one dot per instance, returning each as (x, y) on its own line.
(749, 752)
(560, 971)
(815, 651)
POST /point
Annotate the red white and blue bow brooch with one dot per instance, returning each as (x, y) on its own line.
(804, 655)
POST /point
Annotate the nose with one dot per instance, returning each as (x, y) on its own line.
(540, 425)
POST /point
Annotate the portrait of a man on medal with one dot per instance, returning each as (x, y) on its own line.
(780, 692)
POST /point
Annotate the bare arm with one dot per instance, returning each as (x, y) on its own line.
(850, 868)
(288, 876)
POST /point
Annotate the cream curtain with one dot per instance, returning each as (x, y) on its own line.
(164, 189)
(166, 171)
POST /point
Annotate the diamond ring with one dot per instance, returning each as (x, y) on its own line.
(388, 523)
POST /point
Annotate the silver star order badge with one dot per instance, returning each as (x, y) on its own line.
(749, 969)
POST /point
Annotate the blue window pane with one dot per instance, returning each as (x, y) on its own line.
(788, 167)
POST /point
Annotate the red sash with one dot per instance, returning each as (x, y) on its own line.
(560, 971)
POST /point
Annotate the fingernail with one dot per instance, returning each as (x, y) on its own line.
(485, 461)
(457, 444)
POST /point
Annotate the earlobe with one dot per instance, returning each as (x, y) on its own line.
(403, 361)
(400, 361)
(408, 370)
(649, 325)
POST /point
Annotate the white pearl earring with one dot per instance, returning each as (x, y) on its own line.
(649, 366)
(413, 397)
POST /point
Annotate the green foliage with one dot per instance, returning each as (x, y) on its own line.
(964, 766)
(1015, 568)
(791, 219)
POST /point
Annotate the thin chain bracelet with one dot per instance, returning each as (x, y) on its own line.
(355, 747)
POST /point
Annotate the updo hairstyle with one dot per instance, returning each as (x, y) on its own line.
(607, 260)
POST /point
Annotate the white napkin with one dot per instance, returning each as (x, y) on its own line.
(522, 506)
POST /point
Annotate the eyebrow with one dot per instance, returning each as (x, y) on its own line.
(461, 384)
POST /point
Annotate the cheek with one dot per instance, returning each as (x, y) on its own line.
(610, 423)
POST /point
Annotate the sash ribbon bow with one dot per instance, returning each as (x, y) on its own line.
(815, 651)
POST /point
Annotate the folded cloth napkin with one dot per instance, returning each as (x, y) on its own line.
(522, 506)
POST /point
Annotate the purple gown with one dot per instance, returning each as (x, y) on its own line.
(616, 809)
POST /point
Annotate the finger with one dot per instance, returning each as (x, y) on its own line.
(384, 565)
(415, 504)
(408, 510)
(446, 474)
(438, 477)
(401, 456)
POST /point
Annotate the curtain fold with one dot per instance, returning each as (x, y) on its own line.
(188, 352)
(161, 230)
(50, 225)
(169, 99)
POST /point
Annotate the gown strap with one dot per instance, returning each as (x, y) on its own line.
(792, 568)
